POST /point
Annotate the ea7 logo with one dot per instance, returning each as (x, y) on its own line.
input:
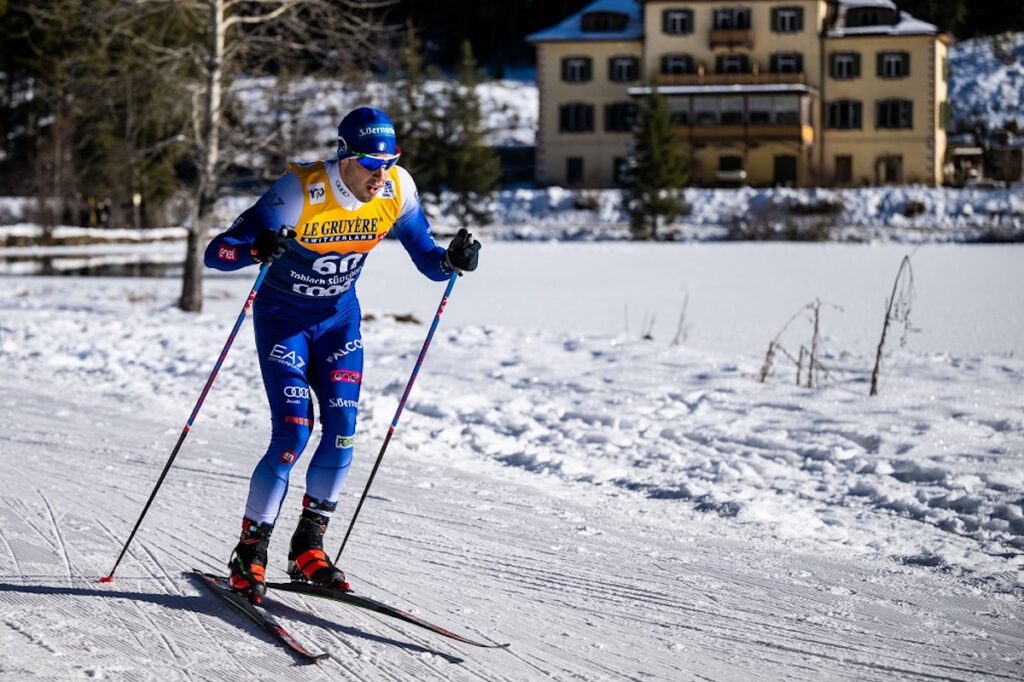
(285, 356)
(317, 193)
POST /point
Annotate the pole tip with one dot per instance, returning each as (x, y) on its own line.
(107, 579)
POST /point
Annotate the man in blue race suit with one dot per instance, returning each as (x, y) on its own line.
(314, 229)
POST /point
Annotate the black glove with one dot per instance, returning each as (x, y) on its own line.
(463, 253)
(270, 244)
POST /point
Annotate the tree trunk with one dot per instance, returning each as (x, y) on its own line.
(192, 282)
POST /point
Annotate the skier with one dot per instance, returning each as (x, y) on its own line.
(316, 225)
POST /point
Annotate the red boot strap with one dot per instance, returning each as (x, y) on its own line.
(311, 561)
(239, 582)
(258, 572)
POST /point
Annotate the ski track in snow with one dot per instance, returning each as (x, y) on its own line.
(616, 509)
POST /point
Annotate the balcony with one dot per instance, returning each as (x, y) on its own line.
(734, 79)
(732, 37)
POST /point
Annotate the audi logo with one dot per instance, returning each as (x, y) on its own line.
(296, 392)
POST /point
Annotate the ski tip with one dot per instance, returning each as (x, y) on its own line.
(107, 579)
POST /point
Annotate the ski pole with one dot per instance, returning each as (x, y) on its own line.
(195, 411)
(401, 406)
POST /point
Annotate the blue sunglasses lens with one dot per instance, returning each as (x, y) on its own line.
(372, 163)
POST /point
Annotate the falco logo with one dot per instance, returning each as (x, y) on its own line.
(317, 193)
(346, 376)
(287, 457)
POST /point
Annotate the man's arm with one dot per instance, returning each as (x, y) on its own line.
(413, 231)
(280, 205)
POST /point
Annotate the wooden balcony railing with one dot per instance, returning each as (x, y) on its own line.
(734, 79)
(732, 37)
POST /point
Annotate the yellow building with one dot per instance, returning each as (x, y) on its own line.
(767, 92)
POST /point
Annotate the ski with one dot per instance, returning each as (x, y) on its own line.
(376, 606)
(259, 615)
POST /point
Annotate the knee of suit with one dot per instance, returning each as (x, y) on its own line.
(286, 446)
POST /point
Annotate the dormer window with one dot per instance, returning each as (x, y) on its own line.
(604, 22)
(871, 16)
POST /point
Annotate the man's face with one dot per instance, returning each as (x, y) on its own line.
(363, 184)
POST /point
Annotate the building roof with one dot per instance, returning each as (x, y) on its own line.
(572, 27)
(906, 26)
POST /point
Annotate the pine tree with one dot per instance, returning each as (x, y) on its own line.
(657, 169)
(473, 167)
(417, 113)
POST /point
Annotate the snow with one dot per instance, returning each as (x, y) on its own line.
(571, 27)
(616, 508)
(986, 81)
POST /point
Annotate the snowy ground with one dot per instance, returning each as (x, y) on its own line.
(616, 508)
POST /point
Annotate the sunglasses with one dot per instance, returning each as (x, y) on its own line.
(372, 162)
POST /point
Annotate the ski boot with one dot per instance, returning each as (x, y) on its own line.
(307, 561)
(249, 561)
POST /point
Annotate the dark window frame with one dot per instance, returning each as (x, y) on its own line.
(573, 170)
(775, 62)
(731, 19)
(632, 71)
(690, 66)
(844, 114)
(778, 13)
(569, 64)
(603, 22)
(884, 59)
(894, 114)
(619, 117)
(576, 117)
(680, 16)
(844, 163)
(720, 61)
(834, 61)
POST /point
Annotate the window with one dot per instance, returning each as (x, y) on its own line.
(705, 111)
(623, 69)
(730, 163)
(788, 19)
(945, 116)
(620, 171)
(784, 168)
(576, 117)
(731, 111)
(844, 169)
(844, 66)
(843, 114)
(675, 64)
(604, 22)
(619, 117)
(680, 110)
(574, 170)
(894, 113)
(871, 16)
(787, 62)
(759, 109)
(677, 22)
(732, 18)
(893, 64)
(890, 169)
(576, 69)
(786, 109)
(945, 69)
(732, 63)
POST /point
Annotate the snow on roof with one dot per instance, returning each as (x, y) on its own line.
(737, 89)
(906, 26)
(886, 4)
(572, 27)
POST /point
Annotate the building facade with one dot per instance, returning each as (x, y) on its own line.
(767, 92)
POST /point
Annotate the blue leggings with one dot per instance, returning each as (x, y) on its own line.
(305, 356)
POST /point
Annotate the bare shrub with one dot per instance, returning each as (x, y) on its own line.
(897, 309)
(806, 356)
(914, 208)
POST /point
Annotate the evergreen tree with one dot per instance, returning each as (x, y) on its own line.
(657, 169)
(417, 114)
(473, 168)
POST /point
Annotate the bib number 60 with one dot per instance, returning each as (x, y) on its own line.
(334, 264)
